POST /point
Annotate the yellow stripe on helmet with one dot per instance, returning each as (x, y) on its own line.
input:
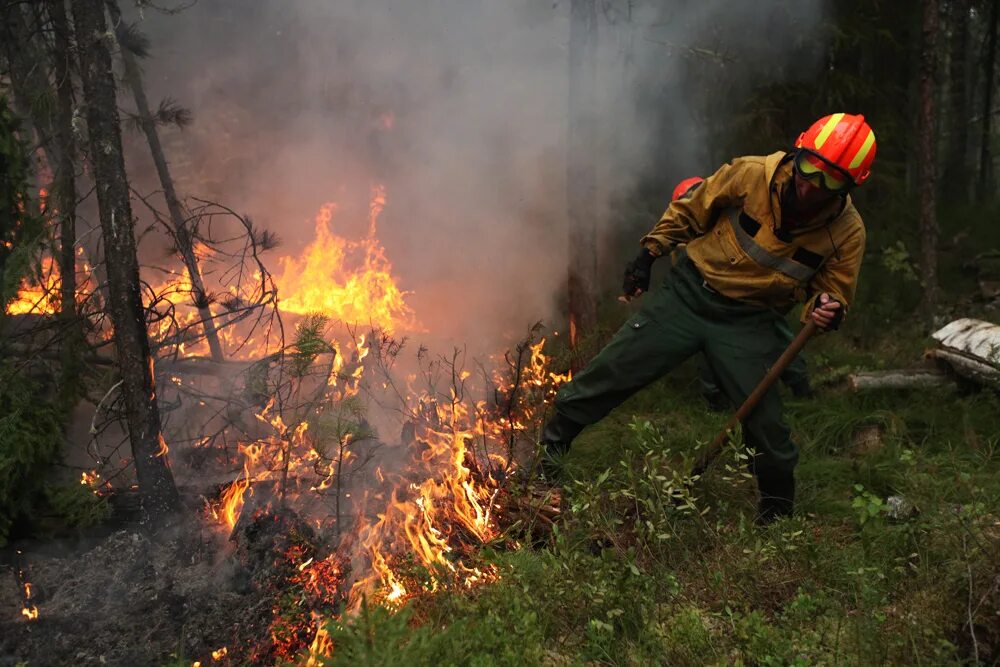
(827, 130)
(863, 152)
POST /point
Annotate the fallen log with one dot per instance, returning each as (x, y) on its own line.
(916, 378)
(969, 349)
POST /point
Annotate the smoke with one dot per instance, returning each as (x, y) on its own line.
(460, 108)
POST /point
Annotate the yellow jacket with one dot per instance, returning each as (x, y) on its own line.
(732, 227)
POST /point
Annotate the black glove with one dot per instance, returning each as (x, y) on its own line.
(637, 273)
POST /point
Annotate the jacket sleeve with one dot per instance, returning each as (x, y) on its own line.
(688, 218)
(839, 276)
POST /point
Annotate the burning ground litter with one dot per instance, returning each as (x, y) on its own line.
(333, 469)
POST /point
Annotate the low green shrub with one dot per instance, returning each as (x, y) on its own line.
(30, 436)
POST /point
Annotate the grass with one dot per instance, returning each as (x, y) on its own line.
(634, 576)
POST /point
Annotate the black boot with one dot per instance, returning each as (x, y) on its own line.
(777, 495)
(557, 436)
(802, 389)
(717, 401)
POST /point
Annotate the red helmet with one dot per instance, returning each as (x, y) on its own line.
(686, 186)
(844, 143)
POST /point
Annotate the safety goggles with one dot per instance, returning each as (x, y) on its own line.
(820, 172)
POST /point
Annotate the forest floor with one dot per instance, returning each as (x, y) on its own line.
(893, 556)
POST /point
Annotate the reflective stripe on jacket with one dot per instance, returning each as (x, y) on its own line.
(732, 227)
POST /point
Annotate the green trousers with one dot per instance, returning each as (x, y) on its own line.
(679, 319)
(795, 377)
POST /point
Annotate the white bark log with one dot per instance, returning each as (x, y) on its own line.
(972, 338)
(967, 367)
(971, 348)
(897, 379)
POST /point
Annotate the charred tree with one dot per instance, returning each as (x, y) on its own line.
(179, 221)
(16, 228)
(955, 176)
(581, 171)
(986, 129)
(64, 195)
(156, 483)
(28, 75)
(33, 93)
(927, 170)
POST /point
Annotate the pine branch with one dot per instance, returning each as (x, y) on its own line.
(132, 38)
(170, 112)
(266, 239)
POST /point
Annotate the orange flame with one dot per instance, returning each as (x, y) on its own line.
(42, 298)
(232, 501)
(321, 646)
(350, 281)
(422, 523)
(29, 611)
(450, 497)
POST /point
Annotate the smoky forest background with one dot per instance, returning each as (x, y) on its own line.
(288, 288)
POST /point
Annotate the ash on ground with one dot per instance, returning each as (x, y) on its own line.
(135, 599)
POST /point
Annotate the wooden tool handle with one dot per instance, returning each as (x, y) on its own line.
(779, 367)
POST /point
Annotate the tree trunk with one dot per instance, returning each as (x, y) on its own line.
(956, 178)
(156, 483)
(178, 219)
(989, 76)
(64, 195)
(581, 171)
(927, 171)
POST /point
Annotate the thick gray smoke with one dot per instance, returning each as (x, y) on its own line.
(460, 108)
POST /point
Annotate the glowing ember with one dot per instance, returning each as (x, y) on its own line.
(349, 281)
(93, 479)
(220, 654)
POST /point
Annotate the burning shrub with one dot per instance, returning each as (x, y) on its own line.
(278, 555)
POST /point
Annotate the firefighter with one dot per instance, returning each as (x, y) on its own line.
(795, 377)
(762, 233)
